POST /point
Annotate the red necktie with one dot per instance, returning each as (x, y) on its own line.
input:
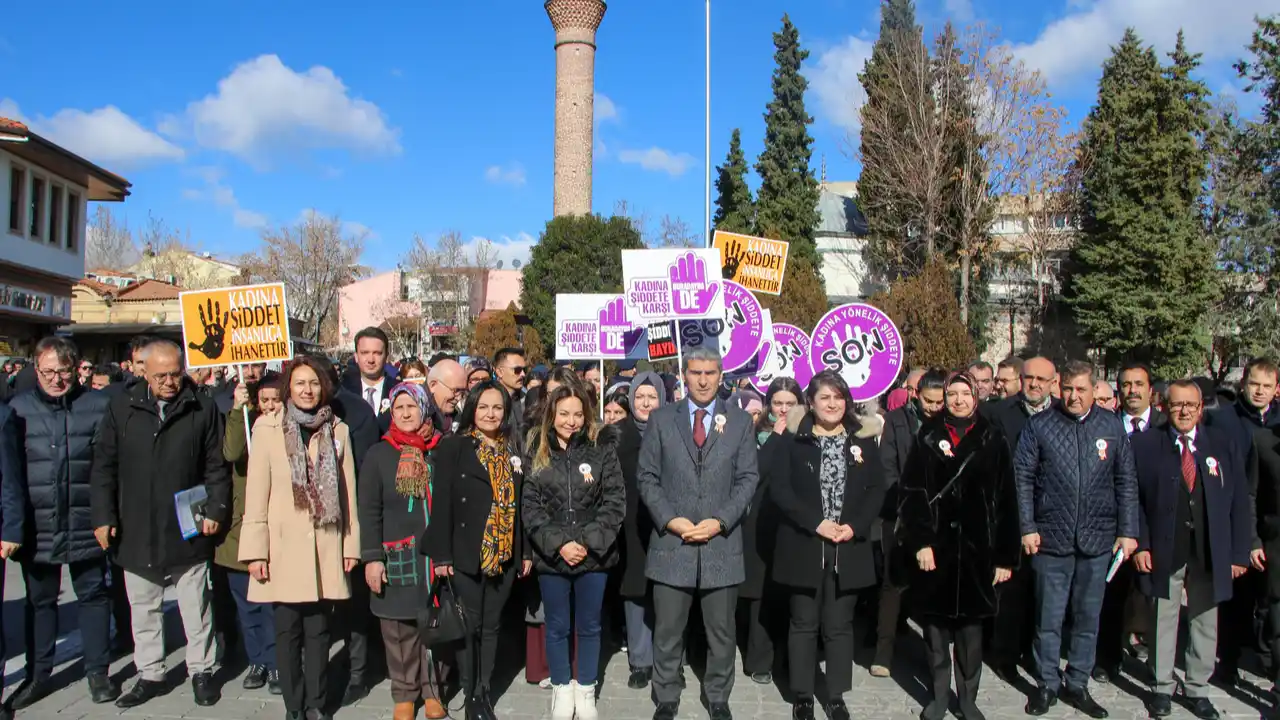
(699, 429)
(1188, 464)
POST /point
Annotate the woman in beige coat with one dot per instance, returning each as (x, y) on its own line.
(301, 488)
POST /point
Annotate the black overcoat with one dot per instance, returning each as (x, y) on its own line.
(638, 524)
(972, 529)
(386, 517)
(760, 526)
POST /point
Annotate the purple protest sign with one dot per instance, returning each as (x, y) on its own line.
(744, 319)
(860, 343)
(672, 283)
(597, 327)
(788, 356)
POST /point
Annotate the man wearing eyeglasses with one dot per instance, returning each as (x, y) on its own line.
(511, 369)
(447, 382)
(1196, 538)
(56, 423)
(1008, 635)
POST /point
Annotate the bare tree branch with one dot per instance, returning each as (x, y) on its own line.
(108, 243)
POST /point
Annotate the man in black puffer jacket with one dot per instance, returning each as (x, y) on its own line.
(56, 423)
(1078, 502)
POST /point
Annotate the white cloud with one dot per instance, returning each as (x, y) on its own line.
(350, 227)
(1076, 44)
(512, 174)
(264, 104)
(658, 160)
(959, 10)
(105, 135)
(508, 250)
(221, 195)
(605, 109)
(834, 81)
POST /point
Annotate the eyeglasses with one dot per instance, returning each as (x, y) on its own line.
(64, 373)
(1037, 378)
(1184, 406)
(458, 392)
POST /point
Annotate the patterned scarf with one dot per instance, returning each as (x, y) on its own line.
(499, 528)
(315, 482)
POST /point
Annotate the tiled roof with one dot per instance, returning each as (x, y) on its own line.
(100, 287)
(13, 127)
(149, 290)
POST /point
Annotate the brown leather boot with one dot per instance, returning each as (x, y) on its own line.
(433, 709)
(403, 711)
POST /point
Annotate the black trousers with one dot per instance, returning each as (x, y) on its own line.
(302, 654)
(941, 634)
(1122, 613)
(121, 613)
(672, 607)
(828, 612)
(482, 598)
(1236, 620)
(889, 610)
(44, 584)
(1010, 632)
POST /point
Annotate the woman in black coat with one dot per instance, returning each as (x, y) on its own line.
(828, 484)
(759, 532)
(647, 395)
(475, 536)
(395, 500)
(958, 520)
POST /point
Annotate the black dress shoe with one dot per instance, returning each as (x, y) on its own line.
(256, 678)
(1159, 705)
(1081, 700)
(719, 711)
(836, 710)
(479, 706)
(205, 692)
(141, 692)
(666, 711)
(1202, 708)
(1040, 701)
(356, 691)
(273, 682)
(802, 710)
(969, 711)
(29, 693)
(1007, 672)
(935, 710)
(639, 679)
(101, 689)
(763, 678)
(1104, 675)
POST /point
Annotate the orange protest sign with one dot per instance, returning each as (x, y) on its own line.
(755, 263)
(235, 325)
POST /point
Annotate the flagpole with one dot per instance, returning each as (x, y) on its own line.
(707, 145)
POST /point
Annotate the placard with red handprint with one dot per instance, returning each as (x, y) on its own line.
(666, 284)
(597, 327)
(862, 344)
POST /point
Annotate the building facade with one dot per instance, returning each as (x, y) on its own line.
(42, 232)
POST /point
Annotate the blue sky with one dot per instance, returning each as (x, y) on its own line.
(425, 117)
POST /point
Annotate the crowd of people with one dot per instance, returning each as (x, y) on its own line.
(1013, 513)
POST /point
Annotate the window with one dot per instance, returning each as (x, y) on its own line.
(37, 208)
(17, 191)
(55, 215)
(73, 220)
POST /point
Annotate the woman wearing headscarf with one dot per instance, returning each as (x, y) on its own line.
(828, 485)
(395, 509)
(757, 596)
(301, 486)
(647, 394)
(958, 520)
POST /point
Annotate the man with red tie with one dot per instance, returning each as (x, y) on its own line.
(1194, 538)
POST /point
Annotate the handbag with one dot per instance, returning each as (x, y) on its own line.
(441, 620)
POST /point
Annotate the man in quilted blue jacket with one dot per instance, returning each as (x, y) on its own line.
(1078, 501)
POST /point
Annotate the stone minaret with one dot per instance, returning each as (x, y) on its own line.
(575, 22)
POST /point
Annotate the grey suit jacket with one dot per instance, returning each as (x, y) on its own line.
(673, 483)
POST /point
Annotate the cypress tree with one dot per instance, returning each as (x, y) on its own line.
(735, 209)
(787, 204)
(1144, 276)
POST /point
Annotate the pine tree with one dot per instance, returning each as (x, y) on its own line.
(1143, 276)
(575, 254)
(735, 208)
(787, 204)
(887, 221)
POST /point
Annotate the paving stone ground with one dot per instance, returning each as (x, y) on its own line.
(896, 698)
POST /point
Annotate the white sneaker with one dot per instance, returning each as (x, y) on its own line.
(585, 700)
(562, 700)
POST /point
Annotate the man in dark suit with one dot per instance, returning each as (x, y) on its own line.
(697, 474)
(1124, 609)
(1195, 536)
(1008, 635)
